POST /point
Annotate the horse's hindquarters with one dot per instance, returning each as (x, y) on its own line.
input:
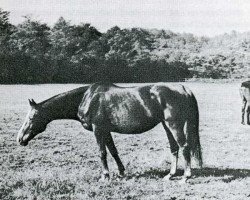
(245, 93)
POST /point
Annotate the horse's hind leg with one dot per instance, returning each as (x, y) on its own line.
(244, 102)
(248, 114)
(100, 135)
(112, 149)
(187, 158)
(174, 152)
(179, 136)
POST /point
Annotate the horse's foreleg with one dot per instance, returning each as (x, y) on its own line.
(112, 149)
(100, 135)
(244, 102)
(174, 152)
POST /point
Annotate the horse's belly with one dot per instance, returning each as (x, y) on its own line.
(133, 125)
(132, 112)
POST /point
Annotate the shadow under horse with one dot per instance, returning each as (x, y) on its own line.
(104, 108)
(226, 174)
(245, 96)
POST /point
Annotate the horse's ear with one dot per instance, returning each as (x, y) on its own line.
(32, 103)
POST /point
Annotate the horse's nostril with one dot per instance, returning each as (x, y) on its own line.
(19, 140)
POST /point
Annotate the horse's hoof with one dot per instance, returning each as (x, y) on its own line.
(183, 181)
(119, 178)
(168, 177)
(104, 178)
(121, 173)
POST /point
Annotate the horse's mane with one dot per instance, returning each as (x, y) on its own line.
(64, 94)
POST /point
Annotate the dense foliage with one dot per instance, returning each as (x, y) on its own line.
(33, 52)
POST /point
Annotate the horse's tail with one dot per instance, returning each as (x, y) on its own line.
(192, 130)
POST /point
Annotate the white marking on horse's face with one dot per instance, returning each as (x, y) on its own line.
(32, 125)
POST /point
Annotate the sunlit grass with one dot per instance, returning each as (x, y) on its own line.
(63, 162)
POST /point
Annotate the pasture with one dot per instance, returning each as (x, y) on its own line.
(63, 162)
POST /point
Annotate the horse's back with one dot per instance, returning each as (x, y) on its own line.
(134, 109)
(150, 97)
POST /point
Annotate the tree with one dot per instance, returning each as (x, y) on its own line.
(72, 51)
(5, 26)
(31, 38)
(82, 37)
(5, 55)
(30, 46)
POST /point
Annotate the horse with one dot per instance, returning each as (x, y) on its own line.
(245, 96)
(105, 107)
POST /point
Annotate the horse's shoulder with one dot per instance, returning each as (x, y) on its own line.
(91, 102)
(95, 95)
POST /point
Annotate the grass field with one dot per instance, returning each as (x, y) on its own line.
(63, 162)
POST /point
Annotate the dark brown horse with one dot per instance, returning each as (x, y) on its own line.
(245, 96)
(105, 108)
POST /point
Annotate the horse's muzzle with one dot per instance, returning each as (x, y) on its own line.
(22, 143)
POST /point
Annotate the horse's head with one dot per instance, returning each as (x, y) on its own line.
(34, 123)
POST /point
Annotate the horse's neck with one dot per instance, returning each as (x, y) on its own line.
(63, 106)
(61, 110)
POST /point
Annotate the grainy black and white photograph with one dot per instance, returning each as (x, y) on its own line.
(124, 99)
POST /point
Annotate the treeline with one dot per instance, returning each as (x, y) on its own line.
(33, 52)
